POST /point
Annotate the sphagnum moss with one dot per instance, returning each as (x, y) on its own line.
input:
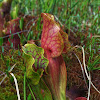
(7, 88)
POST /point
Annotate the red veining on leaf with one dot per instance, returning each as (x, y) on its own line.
(37, 54)
(51, 39)
(58, 75)
(53, 45)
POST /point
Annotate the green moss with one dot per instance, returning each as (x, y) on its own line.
(8, 89)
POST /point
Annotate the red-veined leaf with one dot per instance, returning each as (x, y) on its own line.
(51, 39)
(53, 44)
(34, 68)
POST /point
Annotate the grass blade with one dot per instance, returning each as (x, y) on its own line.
(31, 92)
(25, 86)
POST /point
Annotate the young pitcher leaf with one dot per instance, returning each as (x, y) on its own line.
(51, 40)
(35, 70)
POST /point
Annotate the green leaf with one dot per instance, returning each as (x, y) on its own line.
(98, 68)
(1, 41)
(11, 45)
(21, 23)
(25, 86)
(9, 67)
(92, 65)
(2, 57)
(9, 40)
(7, 63)
(42, 91)
(2, 49)
(19, 53)
(31, 92)
(14, 12)
(29, 97)
(35, 62)
(96, 62)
